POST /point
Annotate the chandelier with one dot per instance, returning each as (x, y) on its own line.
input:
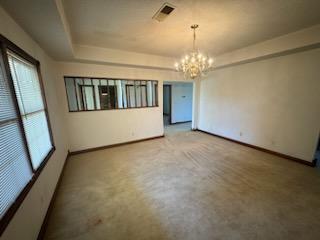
(194, 64)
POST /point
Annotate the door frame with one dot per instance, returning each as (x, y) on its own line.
(170, 101)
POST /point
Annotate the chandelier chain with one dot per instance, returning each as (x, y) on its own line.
(194, 39)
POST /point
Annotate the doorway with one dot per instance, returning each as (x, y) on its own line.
(167, 98)
(177, 106)
(317, 155)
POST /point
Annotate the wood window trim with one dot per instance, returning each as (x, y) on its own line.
(5, 45)
(156, 83)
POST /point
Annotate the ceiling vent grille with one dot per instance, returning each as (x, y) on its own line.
(165, 10)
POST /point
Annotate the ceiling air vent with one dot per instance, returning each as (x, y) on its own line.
(163, 12)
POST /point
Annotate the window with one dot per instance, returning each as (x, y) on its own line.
(25, 137)
(87, 94)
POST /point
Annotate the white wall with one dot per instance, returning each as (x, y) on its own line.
(272, 103)
(90, 54)
(27, 221)
(300, 39)
(100, 128)
(182, 95)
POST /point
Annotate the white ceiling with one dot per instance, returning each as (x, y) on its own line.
(225, 25)
(41, 19)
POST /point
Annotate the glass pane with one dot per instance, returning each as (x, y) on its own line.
(104, 97)
(87, 97)
(124, 93)
(38, 137)
(15, 171)
(104, 82)
(154, 93)
(87, 81)
(138, 93)
(96, 83)
(7, 109)
(79, 83)
(26, 84)
(113, 100)
(131, 94)
(71, 94)
(119, 100)
(143, 93)
(28, 91)
(149, 93)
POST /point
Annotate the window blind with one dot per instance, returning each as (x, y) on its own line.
(28, 91)
(26, 143)
(15, 171)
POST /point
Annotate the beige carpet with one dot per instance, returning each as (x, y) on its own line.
(175, 128)
(188, 185)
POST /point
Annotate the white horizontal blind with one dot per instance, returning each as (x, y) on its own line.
(15, 171)
(28, 91)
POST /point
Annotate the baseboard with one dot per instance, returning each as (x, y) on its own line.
(312, 164)
(49, 210)
(180, 122)
(114, 145)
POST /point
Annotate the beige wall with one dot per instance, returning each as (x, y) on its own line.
(272, 103)
(100, 128)
(301, 39)
(27, 221)
(100, 55)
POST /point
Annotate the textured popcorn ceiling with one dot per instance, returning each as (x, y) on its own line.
(225, 25)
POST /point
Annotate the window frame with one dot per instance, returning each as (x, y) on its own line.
(5, 46)
(156, 83)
